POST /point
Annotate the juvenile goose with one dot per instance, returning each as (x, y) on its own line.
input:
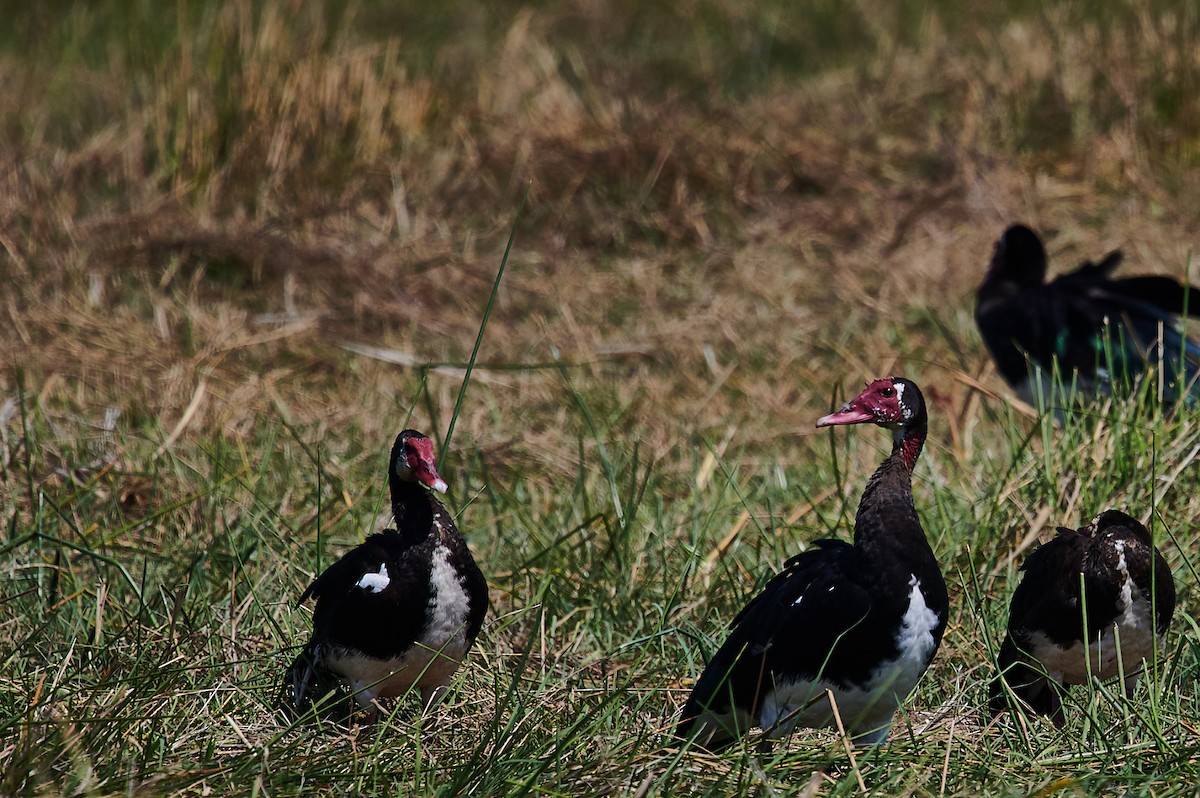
(1098, 331)
(860, 619)
(1129, 597)
(402, 609)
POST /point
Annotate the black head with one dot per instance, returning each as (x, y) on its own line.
(1018, 258)
(1115, 518)
(892, 402)
(413, 460)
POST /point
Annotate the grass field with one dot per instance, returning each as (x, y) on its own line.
(243, 244)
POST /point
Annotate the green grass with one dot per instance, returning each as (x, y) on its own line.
(147, 638)
(245, 244)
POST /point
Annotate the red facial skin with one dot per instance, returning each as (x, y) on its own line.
(879, 403)
(421, 461)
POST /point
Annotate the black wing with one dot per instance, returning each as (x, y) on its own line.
(379, 623)
(1047, 599)
(1141, 315)
(1092, 326)
(1164, 594)
(1165, 294)
(810, 620)
(341, 576)
(1103, 270)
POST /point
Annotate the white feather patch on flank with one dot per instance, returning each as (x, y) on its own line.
(1119, 646)
(376, 582)
(434, 656)
(915, 639)
(866, 709)
(449, 604)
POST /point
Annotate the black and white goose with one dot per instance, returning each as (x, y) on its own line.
(1089, 329)
(401, 610)
(1117, 615)
(860, 619)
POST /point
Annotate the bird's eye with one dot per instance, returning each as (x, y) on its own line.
(889, 392)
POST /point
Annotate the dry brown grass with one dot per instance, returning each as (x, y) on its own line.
(272, 187)
(269, 216)
(234, 220)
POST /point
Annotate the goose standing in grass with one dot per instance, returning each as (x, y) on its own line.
(1087, 327)
(1103, 588)
(861, 620)
(401, 610)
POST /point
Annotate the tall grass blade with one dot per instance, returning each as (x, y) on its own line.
(487, 312)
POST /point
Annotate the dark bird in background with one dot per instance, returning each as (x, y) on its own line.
(860, 619)
(1102, 589)
(401, 610)
(1090, 330)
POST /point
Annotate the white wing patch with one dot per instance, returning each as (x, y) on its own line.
(433, 657)
(377, 582)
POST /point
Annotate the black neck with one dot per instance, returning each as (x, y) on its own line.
(887, 525)
(412, 506)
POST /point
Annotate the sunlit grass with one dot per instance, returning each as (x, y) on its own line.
(147, 645)
(244, 244)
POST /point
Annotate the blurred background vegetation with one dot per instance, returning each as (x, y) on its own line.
(242, 244)
(739, 166)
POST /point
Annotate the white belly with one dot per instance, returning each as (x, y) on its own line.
(1120, 647)
(865, 710)
(431, 660)
(423, 667)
